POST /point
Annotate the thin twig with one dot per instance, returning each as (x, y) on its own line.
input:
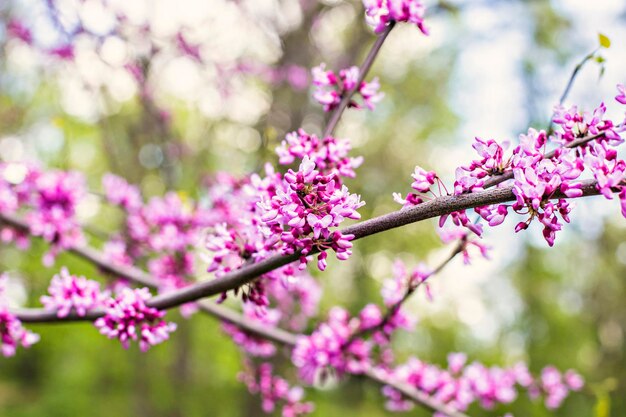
(410, 290)
(572, 77)
(363, 70)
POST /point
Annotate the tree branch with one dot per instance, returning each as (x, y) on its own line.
(363, 70)
(434, 208)
(274, 334)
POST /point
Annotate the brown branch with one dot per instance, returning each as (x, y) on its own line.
(434, 208)
(418, 396)
(274, 334)
(430, 209)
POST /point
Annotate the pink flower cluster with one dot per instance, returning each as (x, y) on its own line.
(461, 385)
(273, 390)
(50, 199)
(555, 386)
(120, 193)
(239, 236)
(54, 207)
(17, 30)
(69, 292)
(13, 335)
(304, 214)
(341, 345)
(128, 318)
(166, 230)
(329, 350)
(379, 13)
(537, 178)
(330, 154)
(331, 88)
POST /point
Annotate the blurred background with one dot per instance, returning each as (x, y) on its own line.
(166, 93)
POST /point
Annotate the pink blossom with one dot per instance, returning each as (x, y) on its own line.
(456, 361)
(325, 350)
(187, 48)
(423, 179)
(330, 88)
(128, 318)
(462, 385)
(13, 335)
(276, 390)
(330, 154)
(574, 380)
(305, 213)
(64, 52)
(55, 197)
(379, 13)
(119, 192)
(69, 292)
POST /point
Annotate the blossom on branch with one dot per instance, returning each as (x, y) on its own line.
(586, 142)
(460, 385)
(275, 390)
(12, 333)
(128, 318)
(330, 88)
(69, 292)
(326, 351)
(330, 154)
(379, 13)
(304, 214)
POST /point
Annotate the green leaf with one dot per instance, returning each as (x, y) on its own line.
(605, 42)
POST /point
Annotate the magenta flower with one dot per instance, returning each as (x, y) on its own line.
(330, 154)
(13, 335)
(379, 13)
(69, 292)
(127, 318)
(121, 193)
(55, 197)
(306, 212)
(462, 385)
(64, 52)
(423, 179)
(276, 390)
(394, 288)
(188, 49)
(331, 88)
(325, 352)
